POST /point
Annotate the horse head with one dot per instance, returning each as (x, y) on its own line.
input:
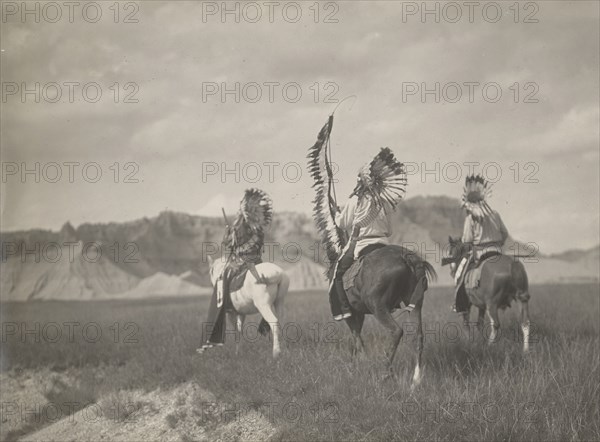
(456, 250)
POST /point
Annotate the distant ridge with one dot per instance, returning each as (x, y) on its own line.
(168, 253)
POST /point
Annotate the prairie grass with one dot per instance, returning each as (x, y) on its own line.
(316, 391)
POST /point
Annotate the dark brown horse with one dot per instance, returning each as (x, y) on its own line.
(388, 276)
(503, 279)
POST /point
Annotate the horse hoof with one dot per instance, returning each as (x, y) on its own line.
(416, 381)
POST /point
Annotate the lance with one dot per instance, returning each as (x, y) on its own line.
(225, 217)
(227, 225)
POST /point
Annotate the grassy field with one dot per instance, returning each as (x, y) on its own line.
(315, 391)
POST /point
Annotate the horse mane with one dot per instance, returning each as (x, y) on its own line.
(465, 248)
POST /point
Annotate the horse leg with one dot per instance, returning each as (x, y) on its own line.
(418, 376)
(480, 319)
(492, 312)
(282, 289)
(524, 310)
(519, 280)
(465, 318)
(355, 323)
(268, 313)
(234, 319)
(240, 334)
(396, 332)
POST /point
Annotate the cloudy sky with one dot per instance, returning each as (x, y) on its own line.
(169, 121)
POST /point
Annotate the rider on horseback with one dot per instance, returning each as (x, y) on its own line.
(483, 231)
(243, 243)
(367, 218)
(362, 241)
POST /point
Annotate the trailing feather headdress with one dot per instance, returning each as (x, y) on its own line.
(256, 208)
(325, 207)
(475, 192)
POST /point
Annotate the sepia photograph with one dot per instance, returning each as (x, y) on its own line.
(306, 220)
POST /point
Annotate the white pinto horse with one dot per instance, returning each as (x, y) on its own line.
(266, 299)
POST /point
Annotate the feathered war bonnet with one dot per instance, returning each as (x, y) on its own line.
(475, 193)
(256, 209)
(383, 180)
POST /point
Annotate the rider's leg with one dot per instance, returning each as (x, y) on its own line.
(343, 265)
(460, 299)
(214, 327)
(460, 295)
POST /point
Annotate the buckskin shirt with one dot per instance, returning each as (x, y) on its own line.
(490, 233)
(378, 232)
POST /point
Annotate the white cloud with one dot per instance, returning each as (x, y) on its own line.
(369, 53)
(575, 132)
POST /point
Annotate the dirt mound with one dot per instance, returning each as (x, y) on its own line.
(163, 285)
(175, 414)
(72, 275)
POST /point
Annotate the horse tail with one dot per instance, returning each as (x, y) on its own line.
(420, 267)
(520, 280)
(430, 272)
(423, 272)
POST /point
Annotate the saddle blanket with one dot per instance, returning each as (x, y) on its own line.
(237, 282)
(226, 285)
(350, 275)
(473, 275)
